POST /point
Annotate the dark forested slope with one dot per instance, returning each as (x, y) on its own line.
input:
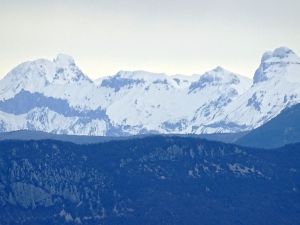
(151, 180)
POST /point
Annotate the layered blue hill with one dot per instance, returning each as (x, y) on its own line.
(27, 135)
(281, 130)
(151, 180)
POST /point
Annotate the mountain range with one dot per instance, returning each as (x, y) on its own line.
(130, 148)
(281, 130)
(57, 97)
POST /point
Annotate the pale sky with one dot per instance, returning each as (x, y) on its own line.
(171, 36)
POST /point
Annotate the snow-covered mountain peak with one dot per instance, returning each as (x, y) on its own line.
(66, 71)
(219, 69)
(61, 70)
(219, 77)
(283, 52)
(64, 60)
(280, 55)
(277, 64)
(129, 79)
(140, 75)
(43, 75)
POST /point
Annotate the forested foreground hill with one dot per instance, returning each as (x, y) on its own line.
(151, 180)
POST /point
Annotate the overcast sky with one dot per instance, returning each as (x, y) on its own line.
(170, 36)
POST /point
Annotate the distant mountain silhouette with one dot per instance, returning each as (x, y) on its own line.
(84, 139)
(281, 130)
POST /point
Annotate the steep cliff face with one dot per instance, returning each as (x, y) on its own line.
(161, 180)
